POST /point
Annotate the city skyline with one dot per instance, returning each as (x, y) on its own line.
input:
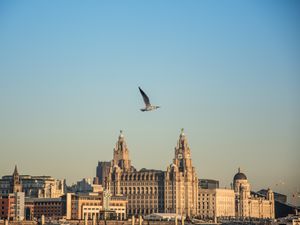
(228, 185)
(228, 73)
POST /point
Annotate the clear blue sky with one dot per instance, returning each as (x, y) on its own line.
(226, 71)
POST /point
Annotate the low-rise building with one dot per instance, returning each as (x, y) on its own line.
(118, 204)
(79, 206)
(51, 208)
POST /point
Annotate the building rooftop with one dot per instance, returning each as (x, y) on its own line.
(239, 176)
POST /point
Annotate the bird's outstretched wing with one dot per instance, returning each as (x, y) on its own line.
(145, 97)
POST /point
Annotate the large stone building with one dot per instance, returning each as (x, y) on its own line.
(153, 191)
(216, 203)
(249, 205)
(32, 186)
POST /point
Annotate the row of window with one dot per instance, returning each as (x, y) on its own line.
(139, 190)
(139, 177)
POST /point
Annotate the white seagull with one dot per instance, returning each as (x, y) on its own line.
(148, 106)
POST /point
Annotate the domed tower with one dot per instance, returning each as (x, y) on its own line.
(16, 184)
(121, 154)
(240, 180)
(242, 194)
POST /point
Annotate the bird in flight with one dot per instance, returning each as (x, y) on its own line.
(148, 106)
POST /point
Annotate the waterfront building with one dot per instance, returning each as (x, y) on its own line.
(181, 182)
(90, 205)
(81, 205)
(249, 205)
(118, 204)
(51, 208)
(155, 191)
(32, 186)
(216, 203)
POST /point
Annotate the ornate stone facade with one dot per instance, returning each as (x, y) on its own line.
(181, 182)
(153, 191)
(249, 205)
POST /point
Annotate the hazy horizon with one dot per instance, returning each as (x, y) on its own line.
(226, 72)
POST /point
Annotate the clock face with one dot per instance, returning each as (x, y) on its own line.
(179, 156)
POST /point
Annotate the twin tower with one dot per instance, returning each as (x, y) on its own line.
(153, 191)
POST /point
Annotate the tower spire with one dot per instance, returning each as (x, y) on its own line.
(16, 170)
(182, 132)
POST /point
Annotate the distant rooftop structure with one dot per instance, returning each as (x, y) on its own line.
(277, 196)
(208, 184)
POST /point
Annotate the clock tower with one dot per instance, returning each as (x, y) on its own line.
(183, 154)
(181, 183)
